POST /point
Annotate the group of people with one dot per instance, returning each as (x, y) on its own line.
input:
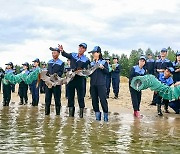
(166, 72)
(100, 81)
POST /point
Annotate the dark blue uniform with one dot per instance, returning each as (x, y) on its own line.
(150, 66)
(136, 95)
(176, 75)
(35, 91)
(58, 68)
(116, 80)
(98, 87)
(175, 105)
(160, 100)
(161, 64)
(7, 89)
(23, 88)
(108, 80)
(76, 63)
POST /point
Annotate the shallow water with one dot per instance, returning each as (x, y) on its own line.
(25, 129)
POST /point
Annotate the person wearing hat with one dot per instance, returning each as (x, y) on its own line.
(175, 105)
(42, 83)
(165, 78)
(34, 86)
(162, 63)
(55, 66)
(150, 64)
(159, 67)
(137, 70)
(108, 76)
(98, 84)
(23, 87)
(78, 61)
(7, 85)
(115, 77)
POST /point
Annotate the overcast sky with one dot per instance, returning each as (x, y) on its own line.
(29, 28)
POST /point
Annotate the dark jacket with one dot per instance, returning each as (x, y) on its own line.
(99, 76)
(176, 75)
(77, 62)
(56, 67)
(136, 71)
(150, 66)
(161, 64)
(116, 72)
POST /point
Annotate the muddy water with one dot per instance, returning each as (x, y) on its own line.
(25, 129)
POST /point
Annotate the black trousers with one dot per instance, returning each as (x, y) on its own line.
(13, 87)
(23, 89)
(98, 92)
(42, 86)
(162, 101)
(108, 84)
(56, 91)
(76, 84)
(135, 98)
(115, 84)
(7, 93)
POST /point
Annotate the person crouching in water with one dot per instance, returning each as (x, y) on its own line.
(98, 84)
(167, 80)
(137, 70)
(7, 85)
(23, 87)
(34, 87)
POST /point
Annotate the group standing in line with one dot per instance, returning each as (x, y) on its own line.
(100, 81)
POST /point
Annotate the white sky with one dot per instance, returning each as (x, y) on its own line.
(29, 28)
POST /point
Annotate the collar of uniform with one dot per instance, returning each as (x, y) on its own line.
(139, 70)
(58, 61)
(9, 71)
(83, 58)
(167, 81)
(100, 61)
(150, 60)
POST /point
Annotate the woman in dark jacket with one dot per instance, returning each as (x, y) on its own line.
(98, 84)
(137, 70)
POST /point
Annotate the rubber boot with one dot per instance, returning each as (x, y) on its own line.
(116, 96)
(4, 103)
(7, 103)
(106, 117)
(159, 110)
(71, 111)
(137, 114)
(47, 110)
(21, 102)
(81, 111)
(58, 110)
(166, 108)
(98, 116)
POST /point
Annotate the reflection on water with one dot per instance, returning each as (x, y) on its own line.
(25, 129)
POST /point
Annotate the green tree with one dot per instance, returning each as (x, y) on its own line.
(124, 62)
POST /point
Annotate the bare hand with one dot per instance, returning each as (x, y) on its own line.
(101, 66)
(177, 84)
(60, 47)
